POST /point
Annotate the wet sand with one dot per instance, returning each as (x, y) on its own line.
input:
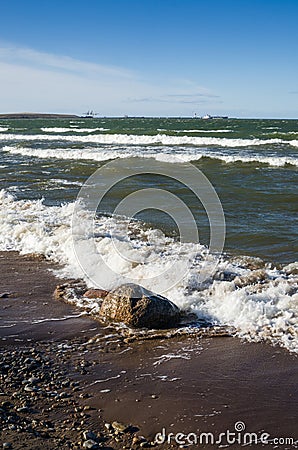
(184, 385)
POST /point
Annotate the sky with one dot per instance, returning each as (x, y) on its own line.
(150, 57)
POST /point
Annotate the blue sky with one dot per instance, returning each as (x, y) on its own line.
(157, 57)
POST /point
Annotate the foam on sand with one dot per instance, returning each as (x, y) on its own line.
(258, 300)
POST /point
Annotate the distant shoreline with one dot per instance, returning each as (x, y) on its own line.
(38, 116)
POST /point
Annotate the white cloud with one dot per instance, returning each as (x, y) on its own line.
(33, 58)
(43, 82)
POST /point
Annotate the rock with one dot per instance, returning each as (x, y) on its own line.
(33, 380)
(66, 290)
(90, 444)
(255, 276)
(23, 409)
(5, 294)
(89, 435)
(118, 426)
(28, 388)
(138, 307)
(137, 440)
(95, 293)
(6, 405)
(35, 257)
(7, 445)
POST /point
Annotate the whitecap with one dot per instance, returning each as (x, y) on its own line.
(260, 303)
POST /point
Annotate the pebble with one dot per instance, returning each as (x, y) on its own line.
(90, 444)
(28, 388)
(89, 435)
(7, 445)
(119, 426)
(33, 380)
(23, 409)
(6, 405)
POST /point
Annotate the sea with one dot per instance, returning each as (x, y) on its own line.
(252, 165)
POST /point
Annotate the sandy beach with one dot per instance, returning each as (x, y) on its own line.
(86, 375)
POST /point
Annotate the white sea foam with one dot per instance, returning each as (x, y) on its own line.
(2, 129)
(196, 131)
(261, 303)
(132, 139)
(203, 131)
(163, 154)
(294, 142)
(67, 130)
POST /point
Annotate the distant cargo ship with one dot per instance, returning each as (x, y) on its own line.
(89, 114)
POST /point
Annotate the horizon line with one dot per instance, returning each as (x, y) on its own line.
(124, 116)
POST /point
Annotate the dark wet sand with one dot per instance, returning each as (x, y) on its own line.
(181, 384)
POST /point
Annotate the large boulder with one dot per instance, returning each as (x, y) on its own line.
(137, 307)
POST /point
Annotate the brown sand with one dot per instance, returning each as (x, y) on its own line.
(181, 384)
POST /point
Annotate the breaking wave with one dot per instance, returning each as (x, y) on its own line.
(158, 139)
(259, 301)
(162, 154)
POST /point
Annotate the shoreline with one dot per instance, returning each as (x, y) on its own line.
(26, 115)
(184, 385)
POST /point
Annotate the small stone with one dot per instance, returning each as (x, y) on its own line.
(28, 388)
(5, 295)
(33, 380)
(89, 435)
(118, 426)
(154, 396)
(6, 405)
(95, 293)
(90, 444)
(7, 445)
(138, 439)
(23, 409)
(108, 426)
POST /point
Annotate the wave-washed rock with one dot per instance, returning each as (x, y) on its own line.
(129, 303)
(137, 307)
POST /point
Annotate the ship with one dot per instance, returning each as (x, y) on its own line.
(208, 116)
(90, 114)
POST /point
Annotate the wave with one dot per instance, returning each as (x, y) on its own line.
(159, 139)
(2, 129)
(196, 131)
(294, 142)
(67, 130)
(158, 153)
(260, 302)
